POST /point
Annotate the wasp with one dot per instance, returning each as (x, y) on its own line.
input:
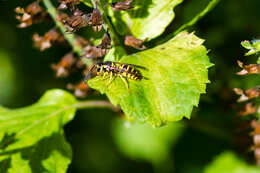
(115, 69)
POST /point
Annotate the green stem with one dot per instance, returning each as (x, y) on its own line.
(107, 25)
(95, 104)
(194, 20)
(69, 37)
(209, 7)
(80, 105)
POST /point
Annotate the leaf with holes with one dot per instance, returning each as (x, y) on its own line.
(177, 73)
(148, 19)
(32, 138)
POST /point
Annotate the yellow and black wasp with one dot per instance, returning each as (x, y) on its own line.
(116, 69)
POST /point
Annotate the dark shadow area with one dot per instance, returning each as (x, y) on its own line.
(7, 140)
(94, 149)
(39, 152)
(5, 165)
(43, 149)
(140, 9)
(122, 27)
(195, 149)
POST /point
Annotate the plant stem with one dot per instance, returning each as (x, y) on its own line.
(79, 105)
(194, 20)
(95, 104)
(107, 25)
(68, 36)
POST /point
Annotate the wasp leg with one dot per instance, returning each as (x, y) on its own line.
(111, 78)
(104, 76)
(125, 81)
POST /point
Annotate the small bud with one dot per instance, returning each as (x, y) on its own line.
(63, 67)
(80, 90)
(248, 94)
(77, 21)
(34, 13)
(248, 69)
(78, 12)
(96, 20)
(93, 52)
(50, 38)
(126, 5)
(256, 126)
(257, 141)
(134, 42)
(62, 17)
(248, 109)
(106, 42)
(65, 4)
(252, 92)
(98, 51)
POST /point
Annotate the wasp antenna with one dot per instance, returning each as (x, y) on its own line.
(90, 71)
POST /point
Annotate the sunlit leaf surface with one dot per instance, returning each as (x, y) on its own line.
(147, 19)
(32, 138)
(176, 72)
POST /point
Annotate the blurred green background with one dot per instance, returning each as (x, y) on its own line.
(99, 138)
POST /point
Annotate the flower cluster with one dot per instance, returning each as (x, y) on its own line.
(250, 106)
(73, 19)
(34, 13)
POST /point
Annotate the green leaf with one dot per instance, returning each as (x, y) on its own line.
(177, 73)
(148, 19)
(95, 37)
(229, 163)
(115, 54)
(32, 138)
(52, 154)
(253, 46)
(141, 141)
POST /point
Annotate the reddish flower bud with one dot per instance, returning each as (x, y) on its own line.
(134, 42)
(126, 5)
(34, 13)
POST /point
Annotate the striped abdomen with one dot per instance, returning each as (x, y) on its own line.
(118, 69)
